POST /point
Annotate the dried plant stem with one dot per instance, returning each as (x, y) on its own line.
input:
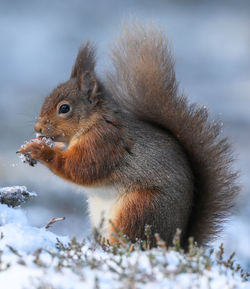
(54, 220)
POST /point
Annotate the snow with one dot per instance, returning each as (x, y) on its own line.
(18, 234)
(31, 257)
(15, 196)
(12, 216)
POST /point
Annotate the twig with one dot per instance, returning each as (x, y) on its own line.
(54, 220)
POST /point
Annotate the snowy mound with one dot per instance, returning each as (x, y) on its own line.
(15, 196)
(36, 258)
(17, 233)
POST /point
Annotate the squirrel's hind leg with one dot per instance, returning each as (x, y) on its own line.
(134, 211)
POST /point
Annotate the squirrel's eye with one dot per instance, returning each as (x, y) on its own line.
(64, 108)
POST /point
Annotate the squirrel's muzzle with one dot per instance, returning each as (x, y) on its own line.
(38, 127)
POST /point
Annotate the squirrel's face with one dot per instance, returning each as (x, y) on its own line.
(67, 111)
(72, 105)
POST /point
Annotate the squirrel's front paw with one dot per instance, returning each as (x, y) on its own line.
(36, 150)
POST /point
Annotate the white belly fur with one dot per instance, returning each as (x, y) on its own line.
(102, 204)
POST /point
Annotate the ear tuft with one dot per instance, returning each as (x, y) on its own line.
(88, 84)
(85, 61)
(84, 71)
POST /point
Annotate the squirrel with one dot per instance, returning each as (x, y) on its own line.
(142, 153)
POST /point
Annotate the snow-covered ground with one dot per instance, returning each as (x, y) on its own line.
(33, 257)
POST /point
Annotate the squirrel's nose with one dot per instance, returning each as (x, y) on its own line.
(38, 127)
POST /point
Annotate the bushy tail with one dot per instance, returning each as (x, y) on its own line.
(143, 81)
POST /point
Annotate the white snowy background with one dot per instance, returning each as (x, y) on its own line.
(39, 42)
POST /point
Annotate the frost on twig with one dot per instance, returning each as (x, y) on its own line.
(15, 196)
(26, 158)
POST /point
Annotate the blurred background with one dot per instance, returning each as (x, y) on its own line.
(39, 42)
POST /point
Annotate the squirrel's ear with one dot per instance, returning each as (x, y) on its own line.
(84, 71)
(88, 84)
(85, 61)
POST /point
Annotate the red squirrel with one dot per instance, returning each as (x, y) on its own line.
(143, 155)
